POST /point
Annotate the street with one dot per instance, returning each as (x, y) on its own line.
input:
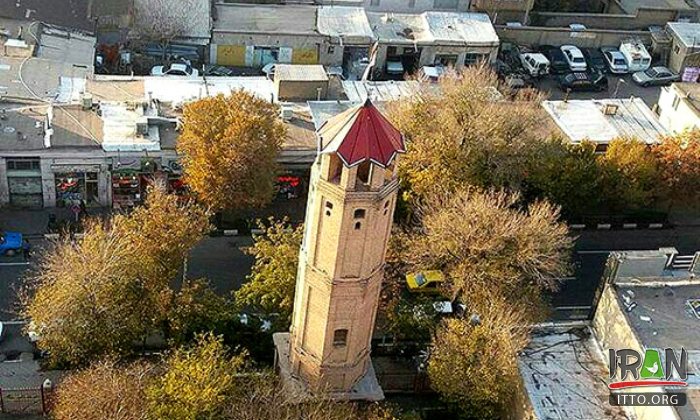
(220, 260)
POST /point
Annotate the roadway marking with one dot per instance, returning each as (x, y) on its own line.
(13, 264)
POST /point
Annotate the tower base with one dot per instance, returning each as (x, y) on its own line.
(366, 389)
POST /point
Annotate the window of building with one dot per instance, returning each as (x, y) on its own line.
(677, 49)
(359, 214)
(331, 49)
(340, 337)
(23, 164)
(329, 207)
(358, 225)
(471, 59)
(446, 60)
(676, 101)
(374, 3)
(363, 172)
(446, 4)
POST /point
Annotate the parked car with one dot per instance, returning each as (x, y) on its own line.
(218, 71)
(615, 60)
(657, 76)
(175, 69)
(574, 58)
(557, 61)
(425, 281)
(536, 64)
(269, 70)
(636, 56)
(583, 82)
(395, 68)
(594, 59)
(10, 243)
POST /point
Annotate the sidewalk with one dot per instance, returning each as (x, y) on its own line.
(35, 221)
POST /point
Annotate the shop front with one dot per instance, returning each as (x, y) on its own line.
(130, 181)
(24, 182)
(74, 188)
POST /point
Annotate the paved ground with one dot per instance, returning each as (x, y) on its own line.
(626, 88)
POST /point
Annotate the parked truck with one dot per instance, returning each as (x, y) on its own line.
(636, 55)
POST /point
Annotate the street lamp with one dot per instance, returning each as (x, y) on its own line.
(617, 87)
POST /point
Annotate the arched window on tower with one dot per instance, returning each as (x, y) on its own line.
(340, 337)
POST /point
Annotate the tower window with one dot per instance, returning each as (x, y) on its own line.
(358, 225)
(359, 213)
(363, 171)
(329, 207)
(386, 204)
(340, 337)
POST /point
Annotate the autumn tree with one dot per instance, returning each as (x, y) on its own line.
(271, 283)
(115, 281)
(473, 360)
(104, 391)
(229, 147)
(475, 136)
(632, 173)
(490, 244)
(196, 382)
(679, 164)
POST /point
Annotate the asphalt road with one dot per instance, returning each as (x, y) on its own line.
(220, 260)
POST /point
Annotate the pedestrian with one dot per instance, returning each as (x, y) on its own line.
(26, 249)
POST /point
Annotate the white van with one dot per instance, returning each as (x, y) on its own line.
(636, 55)
(535, 64)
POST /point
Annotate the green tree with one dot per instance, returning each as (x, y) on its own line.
(229, 145)
(271, 283)
(473, 360)
(196, 383)
(115, 281)
(104, 391)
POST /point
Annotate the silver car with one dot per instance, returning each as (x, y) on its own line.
(658, 76)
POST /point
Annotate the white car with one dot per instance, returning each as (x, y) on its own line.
(536, 64)
(175, 69)
(574, 57)
(615, 60)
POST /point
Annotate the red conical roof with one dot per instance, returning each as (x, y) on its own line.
(359, 134)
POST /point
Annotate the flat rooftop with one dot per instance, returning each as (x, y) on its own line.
(586, 119)
(349, 23)
(632, 6)
(265, 19)
(688, 33)
(358, 91)
(691, 92)
(564, 375)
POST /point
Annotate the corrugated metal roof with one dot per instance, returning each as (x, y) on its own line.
(470, 28)
(399, 28)
(300, 73)
(585, 120)
(358, 91)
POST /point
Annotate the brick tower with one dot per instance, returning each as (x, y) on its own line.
(348, 222)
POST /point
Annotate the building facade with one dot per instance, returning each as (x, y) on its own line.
(348, 223)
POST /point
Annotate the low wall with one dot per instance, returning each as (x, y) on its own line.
(641, 21)
(590, 38)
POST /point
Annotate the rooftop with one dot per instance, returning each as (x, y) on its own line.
(358, 91)
(563, 372)
(632, 6)
(688, 33)
(265, 19)
(349, 23)
(71, 47)
(691, 92)
(361, 134)
(68, 13)
(300, 72)
(434, 28)
(587, 119)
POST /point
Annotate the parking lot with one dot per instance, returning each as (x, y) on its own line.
(625, 89)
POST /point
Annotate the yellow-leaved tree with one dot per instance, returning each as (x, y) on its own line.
(228, 146)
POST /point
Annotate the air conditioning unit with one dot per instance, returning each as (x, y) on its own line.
(86, 101)
(610, 109)
(286, 113)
